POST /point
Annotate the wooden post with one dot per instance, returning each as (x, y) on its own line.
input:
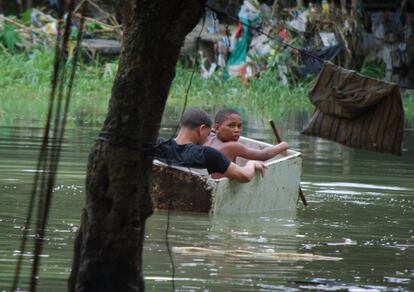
(279, 140)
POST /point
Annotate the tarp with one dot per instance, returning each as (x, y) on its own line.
(356, 111)
(314, 66)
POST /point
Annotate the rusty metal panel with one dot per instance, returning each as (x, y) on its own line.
(183, 191)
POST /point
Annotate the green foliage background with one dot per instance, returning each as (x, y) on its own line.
(25, 83)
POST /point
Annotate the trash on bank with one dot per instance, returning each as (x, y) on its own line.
(256, 38)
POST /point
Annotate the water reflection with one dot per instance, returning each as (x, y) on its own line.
(361, 209)
(271, 232)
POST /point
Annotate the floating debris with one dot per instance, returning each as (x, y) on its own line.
(200, 251)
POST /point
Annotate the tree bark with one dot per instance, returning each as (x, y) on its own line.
(109, 244)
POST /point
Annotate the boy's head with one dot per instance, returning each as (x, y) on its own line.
(198, 123)
(227, 125)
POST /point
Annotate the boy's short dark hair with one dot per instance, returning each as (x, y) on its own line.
(195, 117)
(222, 115)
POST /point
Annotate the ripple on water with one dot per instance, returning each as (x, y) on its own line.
(361, 209)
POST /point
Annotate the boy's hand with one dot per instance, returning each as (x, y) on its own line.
(283, 146)
(260, 166)
(279, 149)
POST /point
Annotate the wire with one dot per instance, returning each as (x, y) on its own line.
(47, 189)
(57, 143)
(41, 162)
(167, 243)
(303, 51)
(46, 167)
(191, 77)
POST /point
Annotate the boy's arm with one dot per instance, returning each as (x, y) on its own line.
(246, 173)
(216, 162)
(234, 149)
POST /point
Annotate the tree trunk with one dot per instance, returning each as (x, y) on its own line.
(109, 244)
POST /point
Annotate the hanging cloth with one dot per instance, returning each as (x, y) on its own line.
(237, 59)
(356, 111)
(248, 16)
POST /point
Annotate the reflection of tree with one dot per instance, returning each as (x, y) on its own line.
(108, 247)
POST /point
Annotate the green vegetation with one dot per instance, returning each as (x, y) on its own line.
(377, 71)
(25, 83)
(9, 38)
(408, 102)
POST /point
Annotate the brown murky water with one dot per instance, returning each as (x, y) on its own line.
(361, 210)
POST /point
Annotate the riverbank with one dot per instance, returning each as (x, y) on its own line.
(25, 83)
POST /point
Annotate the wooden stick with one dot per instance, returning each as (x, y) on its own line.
(275, 132)
(107, 14)
(104, 25)
(19, 25)
(279, 140)
(79, 6)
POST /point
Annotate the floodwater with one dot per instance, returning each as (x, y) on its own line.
(361, 210)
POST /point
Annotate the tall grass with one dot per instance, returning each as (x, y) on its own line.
(25, 89)
(264, 96)
(408, 104)
(25, 83)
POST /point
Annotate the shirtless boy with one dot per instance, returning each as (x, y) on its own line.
(227, 127)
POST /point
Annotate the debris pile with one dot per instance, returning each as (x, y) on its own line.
(293, 42)
(36, 28)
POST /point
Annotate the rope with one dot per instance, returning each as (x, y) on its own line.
(167, 243)
(47, 165)
(41, 162)
(281, 42)
(46, 190)
(56, 149)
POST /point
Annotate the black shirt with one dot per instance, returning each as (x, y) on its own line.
(191, 155)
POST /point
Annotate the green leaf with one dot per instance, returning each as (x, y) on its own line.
(90, 27)
(27, 16)
(374, 71)
(9, 37)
